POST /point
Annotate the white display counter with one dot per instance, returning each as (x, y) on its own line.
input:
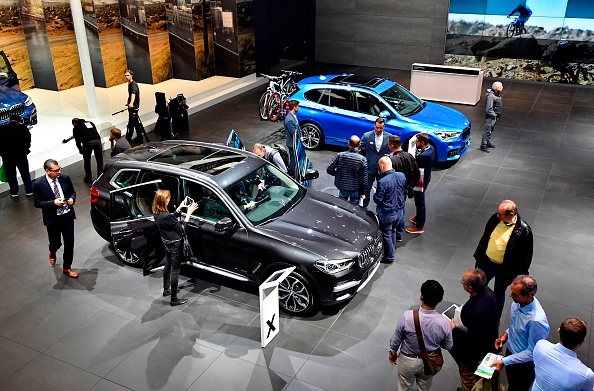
(446, 84)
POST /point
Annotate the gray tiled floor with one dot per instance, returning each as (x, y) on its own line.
(112, 330)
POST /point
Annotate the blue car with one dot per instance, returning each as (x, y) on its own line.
(12, 101)
(334, 107)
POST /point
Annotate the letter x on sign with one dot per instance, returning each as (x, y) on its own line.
(270, 325)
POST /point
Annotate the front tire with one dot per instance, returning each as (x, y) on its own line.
(296, 295)
(263, 106)
(555, 78)
(312, 136)
(274, 107)
(511, 29)
(128, 258)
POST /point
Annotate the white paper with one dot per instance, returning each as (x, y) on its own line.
(484, 369)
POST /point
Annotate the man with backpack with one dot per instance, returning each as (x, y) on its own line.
(276, 154)
(405, 163)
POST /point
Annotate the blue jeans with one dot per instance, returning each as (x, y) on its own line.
(421, 215)
(352, 196)
(11, 163)
(493, 270)
(371, 177)
(400, 225)
(388, 224)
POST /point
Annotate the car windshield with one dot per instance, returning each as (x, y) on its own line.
(265, 194)
(402, 100)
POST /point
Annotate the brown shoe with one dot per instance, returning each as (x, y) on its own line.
(415, 230)
(70, 273)
(413, 219)
(52, 259)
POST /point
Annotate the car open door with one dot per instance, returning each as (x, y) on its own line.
(134, 232)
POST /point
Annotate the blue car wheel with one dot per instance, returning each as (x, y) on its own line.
(312, 136)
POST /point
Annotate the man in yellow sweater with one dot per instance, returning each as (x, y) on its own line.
(505, 249)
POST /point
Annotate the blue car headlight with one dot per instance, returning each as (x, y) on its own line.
(334, 266)
(28, 102)
(447, 136)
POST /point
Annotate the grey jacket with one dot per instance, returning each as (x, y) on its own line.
(494, 104)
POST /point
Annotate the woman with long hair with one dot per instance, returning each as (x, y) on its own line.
(171, 231)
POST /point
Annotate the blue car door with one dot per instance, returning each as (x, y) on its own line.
(335, 115)
(368, 108)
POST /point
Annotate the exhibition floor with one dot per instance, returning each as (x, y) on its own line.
(111, 329)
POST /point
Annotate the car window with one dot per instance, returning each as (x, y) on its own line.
(368, 104)
(265, 194)
(210, 207)
(125, 178)
(169, 183)
(313, 95)
(129, 204)
(340, 99)
(402, 100)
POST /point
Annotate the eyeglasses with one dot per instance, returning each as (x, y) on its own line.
(503, 214)
(56, 170)
(464, 283)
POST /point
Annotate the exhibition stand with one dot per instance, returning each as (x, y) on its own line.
(269, 309)
(446, 83)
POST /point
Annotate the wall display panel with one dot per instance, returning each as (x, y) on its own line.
(111, 41)
(92, 34)
(180, 26)
(224, 21)
(247, 38)
(203, 39)
(158, 39)
(62, 43)
(136, 43)
(12, 42)
(529, 40)
(37, 40)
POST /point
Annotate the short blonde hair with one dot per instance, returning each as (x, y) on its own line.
(160, 201)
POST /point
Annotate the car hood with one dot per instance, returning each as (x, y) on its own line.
(326, 225)
(9, 97)
(438, 117)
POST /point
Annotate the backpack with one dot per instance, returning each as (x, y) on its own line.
(277, 148)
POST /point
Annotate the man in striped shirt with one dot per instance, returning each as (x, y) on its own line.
(349, 170)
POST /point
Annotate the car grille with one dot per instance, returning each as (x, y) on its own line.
(14, 110)
(370, 253)
(465, 133)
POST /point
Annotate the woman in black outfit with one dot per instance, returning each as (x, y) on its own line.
(171, 231)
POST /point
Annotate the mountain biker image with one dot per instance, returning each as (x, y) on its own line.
(524, 14)
(564, 53)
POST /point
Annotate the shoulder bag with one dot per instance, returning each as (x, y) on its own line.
(432, 361)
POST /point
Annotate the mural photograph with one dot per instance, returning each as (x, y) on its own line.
(181, 38)
(158, 39)
(62, 43)
(92, 34)
(12, 42)
(203, 38)
(247, 37)
(111, 40)
(133, 21)
(541, 40)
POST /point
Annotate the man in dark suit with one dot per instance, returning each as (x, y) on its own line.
(15, 146)
(375, 144)
(476, 336)
(292, 129)
(54, 194)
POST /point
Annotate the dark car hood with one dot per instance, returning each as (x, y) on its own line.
(326, 225)
(9, 97)
(438, 117)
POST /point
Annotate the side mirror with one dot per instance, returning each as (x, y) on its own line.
(3, 75)
(310, 174)
(386, 114)
(225, 224)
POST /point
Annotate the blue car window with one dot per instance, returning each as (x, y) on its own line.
(369, 104)
(313, 95)
(341, 99)
(403, 101)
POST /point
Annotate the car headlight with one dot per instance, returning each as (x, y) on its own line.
(446, 136)
(28, 102)
(333, 267)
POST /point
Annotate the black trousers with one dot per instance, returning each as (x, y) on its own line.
(89, 148)
(173, 257)
(62, 229)
(520, 376)
(134, 123)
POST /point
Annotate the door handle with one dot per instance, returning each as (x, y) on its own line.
(362, 118)
(127, 232)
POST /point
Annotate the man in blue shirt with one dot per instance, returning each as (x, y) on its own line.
(425, 155)
(528, 324)
(389, 198)
(557, 366)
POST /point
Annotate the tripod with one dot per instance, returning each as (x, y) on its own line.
(134, 122)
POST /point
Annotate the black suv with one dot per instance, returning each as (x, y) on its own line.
(335, 246)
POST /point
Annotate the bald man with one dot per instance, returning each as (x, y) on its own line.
(389, 198)
(493, 112)
(349, 170)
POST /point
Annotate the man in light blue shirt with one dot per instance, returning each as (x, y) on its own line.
(528, 325)
(557, 366)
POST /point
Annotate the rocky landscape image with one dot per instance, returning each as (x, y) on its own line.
(12, 41)
(524, 57)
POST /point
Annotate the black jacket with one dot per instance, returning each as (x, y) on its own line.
(84, 132)
(15, 139)
(43, 197)
(518, 253)
(480, 316)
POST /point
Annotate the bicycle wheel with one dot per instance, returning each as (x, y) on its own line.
(274, 107)
(263, 106)
(555, 78)
(511, 30)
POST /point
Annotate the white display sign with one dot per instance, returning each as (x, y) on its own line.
(269, 309)
(227, 19)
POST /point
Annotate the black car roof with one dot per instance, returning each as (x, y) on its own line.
(358, 80)
(222, 164)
